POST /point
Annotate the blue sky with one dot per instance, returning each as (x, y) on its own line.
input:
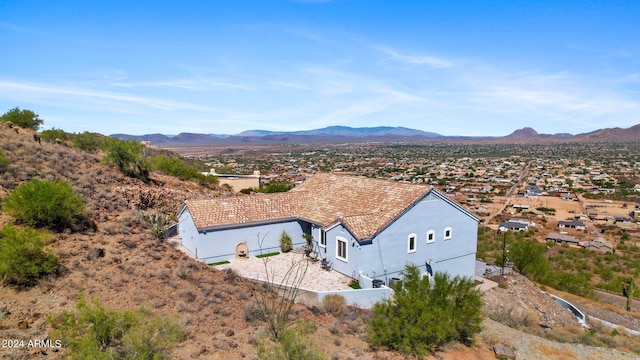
(451, 67)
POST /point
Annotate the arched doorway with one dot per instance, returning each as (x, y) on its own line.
(242, 250)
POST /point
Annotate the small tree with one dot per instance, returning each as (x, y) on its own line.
(286, 243)
(87, 141)
(54, 134)
(127, 156)
(426, 313)
(26, 119)
(528, 257)
(22, 257)
(42, 203)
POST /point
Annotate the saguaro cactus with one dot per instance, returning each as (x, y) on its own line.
(627, 289)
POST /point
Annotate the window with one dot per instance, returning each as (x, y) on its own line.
(431, 236)
(323, 238)
(447, 233)
(411, 243)
(341, 248)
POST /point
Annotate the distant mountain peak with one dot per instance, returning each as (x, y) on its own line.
(524, 133)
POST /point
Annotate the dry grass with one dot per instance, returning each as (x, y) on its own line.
(555, 351)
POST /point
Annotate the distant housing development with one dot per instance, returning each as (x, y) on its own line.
(367, 229)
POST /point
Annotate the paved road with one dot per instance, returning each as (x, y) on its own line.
(617, 300)
(512, 191)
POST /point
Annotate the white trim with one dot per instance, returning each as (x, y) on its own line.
(450, 231)
(433, 236)
(322, 236)
(340, 239)
(415, 243)
(411, 237)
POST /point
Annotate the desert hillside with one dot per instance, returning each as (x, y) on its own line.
(120, 263)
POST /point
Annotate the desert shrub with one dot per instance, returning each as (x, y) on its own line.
(528, 257)
(54, 134)
(176, 167)
(4, 162)
(158, 222)
(95, 332)
(426, 313)
(127, 156)
(22, 257)
(334, 304)
(253, 312)
(286, 243)
(87, 141)
(42, 203)
(26, 119)
(577, 284)
(276, 186)
(291, 345)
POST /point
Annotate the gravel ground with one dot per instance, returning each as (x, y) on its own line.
(527, 346)
(520, 304)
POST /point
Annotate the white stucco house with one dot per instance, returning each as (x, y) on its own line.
(367, 229)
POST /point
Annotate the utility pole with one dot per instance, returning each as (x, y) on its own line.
(504, 252)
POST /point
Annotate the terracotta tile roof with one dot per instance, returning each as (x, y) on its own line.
(364, 205)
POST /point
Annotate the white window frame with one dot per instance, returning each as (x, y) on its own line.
(431, 234)
(450, 233)
(340, 239)
(415, 243)
(322, 242)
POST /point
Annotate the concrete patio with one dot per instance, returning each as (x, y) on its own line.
(315, 279)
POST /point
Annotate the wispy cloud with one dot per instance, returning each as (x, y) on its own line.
(34, 91)
(284, 84)
(187, 84)
(417, 60)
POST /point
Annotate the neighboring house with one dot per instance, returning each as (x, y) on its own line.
(562, 238)
(597, 245)
(365, 228)
(573, 224)
(237, 182)
(513, 225)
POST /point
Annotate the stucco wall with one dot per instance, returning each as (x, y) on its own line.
(220, 245)
(386, 256)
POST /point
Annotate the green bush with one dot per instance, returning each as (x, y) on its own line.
(4, 162)
(175, 167)
(22, 257)
(87, 141)
(426, 313)
(26, 119)
(293, 344)
(54, 134)
(95, 332)
(286, 243)
(127, 156)
(528, 257)
(276, 186)
(577, 284)
(41, 203)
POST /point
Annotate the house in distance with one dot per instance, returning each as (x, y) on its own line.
(367, 229)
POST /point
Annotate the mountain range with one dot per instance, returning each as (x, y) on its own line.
(334, 134)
